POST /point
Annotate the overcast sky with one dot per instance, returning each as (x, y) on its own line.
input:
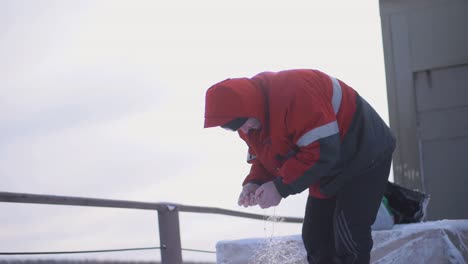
(105, 99)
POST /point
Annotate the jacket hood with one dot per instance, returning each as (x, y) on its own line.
(233, 98)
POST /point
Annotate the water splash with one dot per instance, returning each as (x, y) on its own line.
(276, 250)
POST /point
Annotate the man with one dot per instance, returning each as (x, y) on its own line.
(308, 130)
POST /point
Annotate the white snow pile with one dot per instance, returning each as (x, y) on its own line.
(444, 241)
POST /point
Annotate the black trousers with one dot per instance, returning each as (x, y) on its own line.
(338, 230)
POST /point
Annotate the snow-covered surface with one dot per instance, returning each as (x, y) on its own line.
(444, 241)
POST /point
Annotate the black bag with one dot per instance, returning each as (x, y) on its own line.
(407, 206)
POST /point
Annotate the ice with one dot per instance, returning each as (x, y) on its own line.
(435, 242)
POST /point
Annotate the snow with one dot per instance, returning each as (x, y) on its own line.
(444, 241)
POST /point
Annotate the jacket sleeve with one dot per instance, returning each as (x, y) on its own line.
(258, 174)
(313, 128)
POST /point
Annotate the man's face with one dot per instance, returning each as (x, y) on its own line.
(251, 123)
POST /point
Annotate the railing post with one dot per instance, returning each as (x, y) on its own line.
(169, 235)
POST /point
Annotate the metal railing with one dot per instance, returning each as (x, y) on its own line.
(168, 216)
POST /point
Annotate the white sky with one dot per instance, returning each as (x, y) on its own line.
(105, 99)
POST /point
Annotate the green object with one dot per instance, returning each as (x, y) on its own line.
(387, 206)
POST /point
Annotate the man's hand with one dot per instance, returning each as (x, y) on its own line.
(267, 195)
(247, 196)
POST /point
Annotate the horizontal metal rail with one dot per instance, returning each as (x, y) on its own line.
(10, 197)
(214, 210)
(168, 215)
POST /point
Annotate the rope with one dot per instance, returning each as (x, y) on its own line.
(76, 252)
(97, 251)
(198, 250)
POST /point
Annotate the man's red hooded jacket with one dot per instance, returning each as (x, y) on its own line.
(317, 132)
